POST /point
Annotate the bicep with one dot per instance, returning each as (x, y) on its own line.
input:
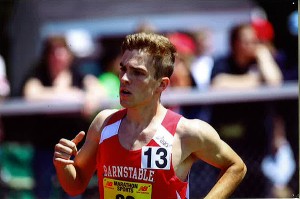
(212, 149)
(219, 154)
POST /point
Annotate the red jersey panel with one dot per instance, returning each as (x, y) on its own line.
(146, 173)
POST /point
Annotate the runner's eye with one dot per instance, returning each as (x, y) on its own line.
(137, 73)
(123, 68)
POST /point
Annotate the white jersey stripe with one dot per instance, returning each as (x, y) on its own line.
(178, 196)
(110, 130)
(188, 188)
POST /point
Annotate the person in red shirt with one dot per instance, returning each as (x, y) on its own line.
(144, 150)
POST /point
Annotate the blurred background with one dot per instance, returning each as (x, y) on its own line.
(25, 23)
(92, 31)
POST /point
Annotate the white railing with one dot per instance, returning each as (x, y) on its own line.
(173, 96)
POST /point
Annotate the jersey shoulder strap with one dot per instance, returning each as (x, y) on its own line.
(116, 116)
(171, 120)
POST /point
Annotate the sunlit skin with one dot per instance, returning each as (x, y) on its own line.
(137, 83)
(140, 94)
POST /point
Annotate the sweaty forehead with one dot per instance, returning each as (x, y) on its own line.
(134, 57)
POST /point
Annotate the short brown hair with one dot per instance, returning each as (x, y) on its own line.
(161, 50)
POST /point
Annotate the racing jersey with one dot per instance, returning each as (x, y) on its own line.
(146, 173)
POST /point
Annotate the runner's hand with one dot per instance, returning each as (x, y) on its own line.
(65, 149)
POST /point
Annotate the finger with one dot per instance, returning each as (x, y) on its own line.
(66, 146)
(63, 149)
(61, 161)
(79, 137)
(62, 155)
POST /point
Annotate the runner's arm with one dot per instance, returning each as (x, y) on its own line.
(74, 175)
(206, 144)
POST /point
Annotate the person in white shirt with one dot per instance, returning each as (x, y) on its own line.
(4, 84)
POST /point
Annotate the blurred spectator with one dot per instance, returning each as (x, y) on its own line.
(250, 64)
(107, 83)
(279, 165)
(109, 78)
(184, 76)
(4, 88)
(181, 77)
(4, 84)
(265, 33)
(186, 49)
(202, 64)
(192, 69)
(15, 158)
(55, 77)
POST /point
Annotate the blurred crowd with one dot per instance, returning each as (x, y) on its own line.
(260, 132)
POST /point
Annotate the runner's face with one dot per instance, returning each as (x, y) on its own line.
(138, 85)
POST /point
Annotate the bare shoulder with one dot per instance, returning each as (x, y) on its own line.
(99, 122)
(101, 117)
(196, 133)
(195, 127)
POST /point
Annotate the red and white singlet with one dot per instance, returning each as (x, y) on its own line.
(146, 173)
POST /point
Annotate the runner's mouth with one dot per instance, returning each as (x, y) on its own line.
(124, 91)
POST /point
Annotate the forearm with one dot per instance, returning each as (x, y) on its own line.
(75, 174)
(40, 93)
(69, 180)
(228, 182)
(34, 90)
(269, 68)
(230, 81)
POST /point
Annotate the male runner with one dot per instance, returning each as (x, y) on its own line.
(145, 151)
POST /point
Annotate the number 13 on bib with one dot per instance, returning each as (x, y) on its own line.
(156, 158)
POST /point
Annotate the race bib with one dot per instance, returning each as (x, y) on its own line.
(119, 189)
(156, 158)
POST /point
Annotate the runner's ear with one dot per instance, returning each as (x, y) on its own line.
(164, 83)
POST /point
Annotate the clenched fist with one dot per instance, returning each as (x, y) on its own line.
(65, 149)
